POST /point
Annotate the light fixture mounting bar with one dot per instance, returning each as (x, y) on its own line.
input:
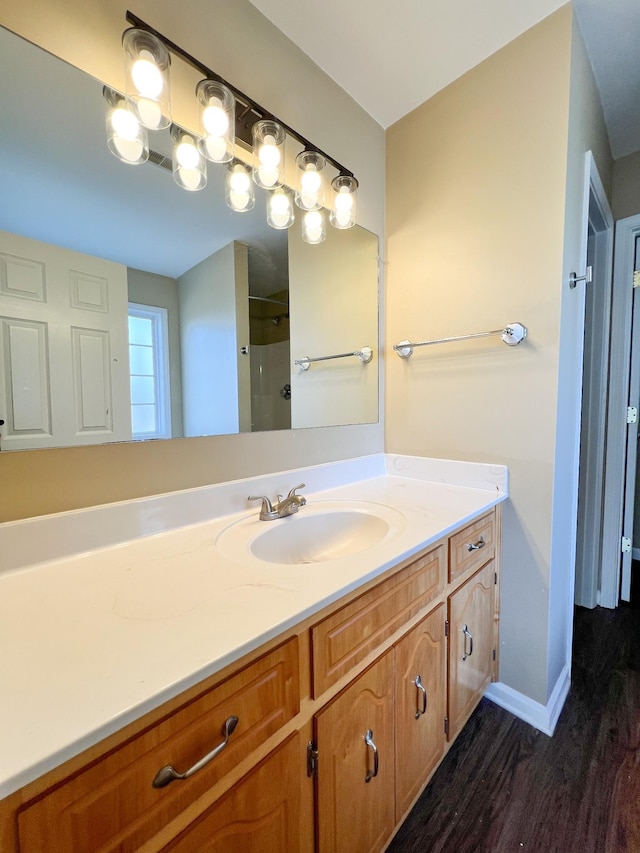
(174, 48)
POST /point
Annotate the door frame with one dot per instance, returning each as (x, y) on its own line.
(620, 368)
(596, 344)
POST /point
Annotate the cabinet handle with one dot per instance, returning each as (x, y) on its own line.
(467, 635)
(422, 694)
(167, 774)
(371, 774)
(475, 546)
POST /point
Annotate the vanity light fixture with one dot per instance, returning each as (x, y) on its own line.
(343, 204)
(147, 62)
(280, 213)
(189, 166)
(268, 149)
(226, 114)
(310, 183)
(126, 137)
(217, 117)
(239, 193)
(313, 227)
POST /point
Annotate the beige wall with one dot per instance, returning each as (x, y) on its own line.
(475, 221)
(626, 186)
(240, 44)
(324, 287)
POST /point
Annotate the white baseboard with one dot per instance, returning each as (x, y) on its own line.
(543, 717)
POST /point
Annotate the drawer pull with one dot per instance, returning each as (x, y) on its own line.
(167, 774)
(422, 694)
(475, 546)
(368, 739)
(467, 636)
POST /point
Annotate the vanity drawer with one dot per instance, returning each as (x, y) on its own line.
(346, 637)
(473, 546)
(112, 806)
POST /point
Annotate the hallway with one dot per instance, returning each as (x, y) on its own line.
(506, 787)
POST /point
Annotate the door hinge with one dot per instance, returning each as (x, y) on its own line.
(626, 545)
(446, 627)
(446, 725)
(495, 578)
(494, 654)
(632, 415)
(312, 759)
(636, 278)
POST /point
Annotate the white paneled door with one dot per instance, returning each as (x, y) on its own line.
(64, 364)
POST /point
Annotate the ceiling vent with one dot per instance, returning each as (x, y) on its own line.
(160, 160)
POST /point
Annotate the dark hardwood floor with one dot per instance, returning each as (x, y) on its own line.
(505, 787)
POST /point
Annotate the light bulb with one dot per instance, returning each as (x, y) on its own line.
(313, 230)
(146, 76)
(124, 123)
(268, 149)
(239, 191)
(240, 182)
(214, 118)
(269, 154)
(129, 150)
(126, 138)
(311, 180)
(215, 148)
(190, 178)
(343, 206)
(187, 155)
(150, 113)
(239, 200)
(280, 209)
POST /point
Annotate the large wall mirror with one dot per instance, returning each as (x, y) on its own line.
(131, 309)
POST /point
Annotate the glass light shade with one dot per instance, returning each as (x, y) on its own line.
(239, 193)
(126, 137)
(268, 148)
(189, 167)
(310, 183)
(313, 227)
(217, 117)
(280, 212)
(147, 64)
(343, 204)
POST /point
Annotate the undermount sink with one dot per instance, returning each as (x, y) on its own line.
(317, 533)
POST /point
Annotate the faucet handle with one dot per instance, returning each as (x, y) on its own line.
(300, 498)
(267, 511)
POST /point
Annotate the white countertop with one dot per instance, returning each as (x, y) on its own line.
(91, 641)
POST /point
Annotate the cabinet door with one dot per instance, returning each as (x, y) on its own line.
(261, 814)
(471, 611)
(355, 808)
(420, 706)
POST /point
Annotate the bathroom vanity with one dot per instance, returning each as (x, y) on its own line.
(306, 702)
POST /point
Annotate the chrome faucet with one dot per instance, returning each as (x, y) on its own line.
(282, 506)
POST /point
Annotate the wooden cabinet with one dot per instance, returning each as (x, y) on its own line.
(471, 645)
(383, 733)
(355, 781)
(472, 547)
(112, 806)
(420, 675)
(261, 814)
(348, 635)
(369, 683)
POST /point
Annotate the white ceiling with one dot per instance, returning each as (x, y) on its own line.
(391, 57)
